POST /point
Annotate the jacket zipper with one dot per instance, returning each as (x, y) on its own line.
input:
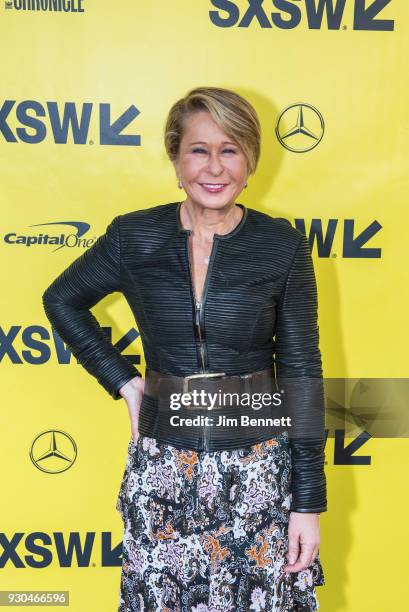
(198, 309)
(200, 332)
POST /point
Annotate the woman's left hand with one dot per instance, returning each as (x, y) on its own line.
(303, 540)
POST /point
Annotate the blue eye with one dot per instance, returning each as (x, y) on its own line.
(198, 150)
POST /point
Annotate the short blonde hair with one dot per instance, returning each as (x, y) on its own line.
(233, 114)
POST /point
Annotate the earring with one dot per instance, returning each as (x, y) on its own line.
(180, 185)
(245, 185)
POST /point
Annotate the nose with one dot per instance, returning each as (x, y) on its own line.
(215, 164)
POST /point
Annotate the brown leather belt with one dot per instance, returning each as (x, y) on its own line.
(177, 410)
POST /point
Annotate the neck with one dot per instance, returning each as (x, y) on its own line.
(205, 222)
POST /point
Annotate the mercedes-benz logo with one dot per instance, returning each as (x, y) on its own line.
(53, 451)
(300, 127)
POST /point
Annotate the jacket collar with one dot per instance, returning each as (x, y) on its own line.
(233, 232)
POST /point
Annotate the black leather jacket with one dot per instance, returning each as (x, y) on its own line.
(259, 310)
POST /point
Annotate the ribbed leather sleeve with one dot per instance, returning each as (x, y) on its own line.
(298, 358)
(67, 302)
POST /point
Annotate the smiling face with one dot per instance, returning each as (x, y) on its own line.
(211, 167)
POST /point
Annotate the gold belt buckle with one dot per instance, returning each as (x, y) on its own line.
(186, 379)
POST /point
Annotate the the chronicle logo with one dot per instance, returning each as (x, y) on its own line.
(300, 127)
(64, 120)
(53, 6)
(53, 451)
(318, 14)
(60, 238)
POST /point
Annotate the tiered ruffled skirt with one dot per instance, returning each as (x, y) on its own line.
(207, 531)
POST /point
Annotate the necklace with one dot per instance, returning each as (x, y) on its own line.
(207, 258)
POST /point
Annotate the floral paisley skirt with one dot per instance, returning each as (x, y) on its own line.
(207, 531)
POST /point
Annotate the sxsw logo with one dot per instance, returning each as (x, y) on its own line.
(37, 121)
(318, 14)
(354, 243)
(41, 549)
(39, 345)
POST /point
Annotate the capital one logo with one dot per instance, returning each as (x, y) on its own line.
(318, 14)
(67, 123)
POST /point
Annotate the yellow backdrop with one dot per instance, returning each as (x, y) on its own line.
(100, 61)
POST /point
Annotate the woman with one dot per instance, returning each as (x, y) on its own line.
(216, 518)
